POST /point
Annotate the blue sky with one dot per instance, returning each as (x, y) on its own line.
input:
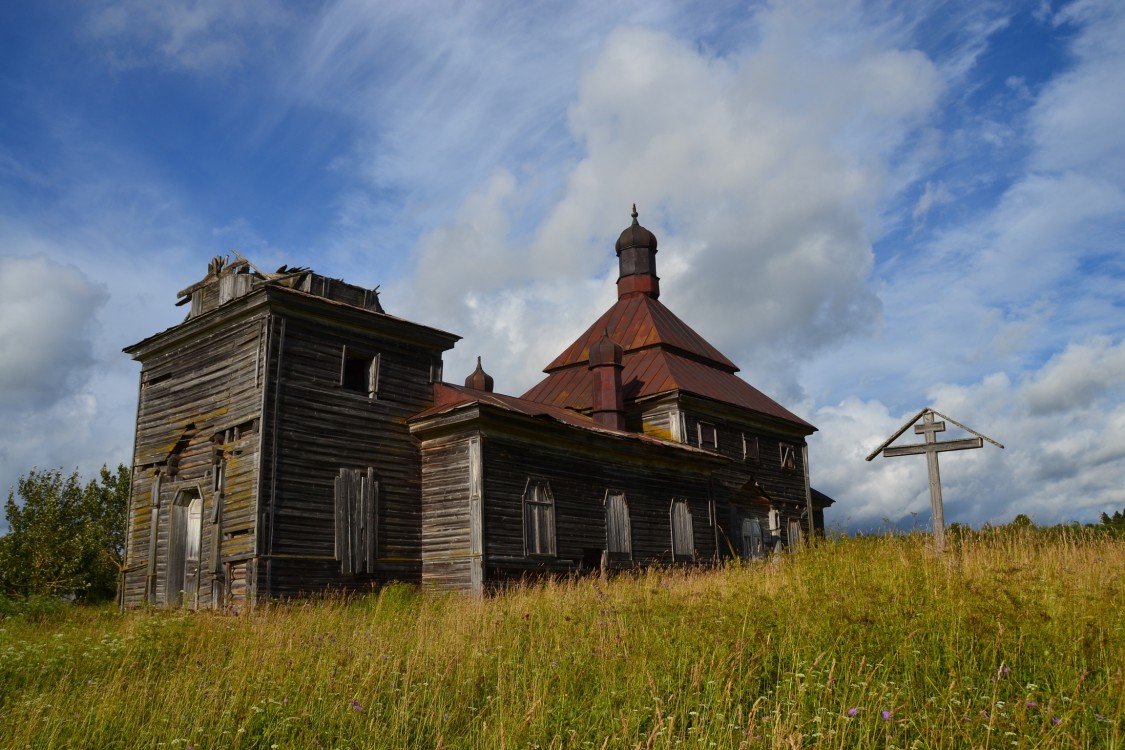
(871, 207)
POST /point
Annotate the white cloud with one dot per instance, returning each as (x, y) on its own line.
(201, 35)
(1062, 428)
(47, 313)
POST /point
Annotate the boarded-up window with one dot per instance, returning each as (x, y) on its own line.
(753, 546)
(618, 530)
(538, 519)
(683, 539)
(794, 533)
(359, 372)
(788, 457)
(707, 436)
(183, 552)
(357, 520)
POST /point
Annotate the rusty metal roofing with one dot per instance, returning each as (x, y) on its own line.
(662, 354)
(636, 322)
(651, 371)
(448, 397)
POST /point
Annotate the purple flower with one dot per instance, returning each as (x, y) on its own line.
(356, 706)
(886, 715)
(1032, 704)
(1003, 671)
(853, 711)
(1056, 720)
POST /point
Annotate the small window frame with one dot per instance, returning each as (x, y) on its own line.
(619, 545)
(682, 530)
(751, 450)
(707, 436)
(787, 455)
(539, 539)
(359, 372)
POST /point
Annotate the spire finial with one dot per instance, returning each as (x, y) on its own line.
(635, 214)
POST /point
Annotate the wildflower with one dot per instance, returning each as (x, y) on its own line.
(1032, 704)
(886, 715)
(1056, 720)
(852, 712)
(356, 706)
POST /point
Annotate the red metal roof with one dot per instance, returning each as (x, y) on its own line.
(448, 397)
(662, 354)
(636, 322)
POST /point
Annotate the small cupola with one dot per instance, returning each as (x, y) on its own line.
(636, 254)
(479, 380)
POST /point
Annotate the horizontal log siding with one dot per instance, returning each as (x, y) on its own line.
(579, 481)
(445, 513)
(786, 487)
(213, 383)
(321, 428)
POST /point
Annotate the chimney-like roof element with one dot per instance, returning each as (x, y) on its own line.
(636, 254)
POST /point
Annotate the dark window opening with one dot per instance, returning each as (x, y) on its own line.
(749, 448)
(359, 373)
(708, 436)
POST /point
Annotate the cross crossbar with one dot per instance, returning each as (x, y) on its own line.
(947, 445)
(930, 427)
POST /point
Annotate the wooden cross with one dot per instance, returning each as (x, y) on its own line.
(931, 448)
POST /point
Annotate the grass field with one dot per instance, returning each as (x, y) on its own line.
(1016, 638)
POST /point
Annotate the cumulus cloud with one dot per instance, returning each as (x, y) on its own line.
(47, 314)
(758, 169)
(1061, 426)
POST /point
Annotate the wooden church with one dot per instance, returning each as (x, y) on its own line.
(293, 437)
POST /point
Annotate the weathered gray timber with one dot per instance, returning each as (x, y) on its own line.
(581, 465)
(931, 448)
(292, 437)
(248, 412)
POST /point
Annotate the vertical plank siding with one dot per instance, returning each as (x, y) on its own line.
(447, 486)
(203, 388)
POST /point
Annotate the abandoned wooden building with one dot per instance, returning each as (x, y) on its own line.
(292, 437)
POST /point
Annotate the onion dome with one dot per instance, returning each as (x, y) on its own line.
(479, 380)
(636, 236)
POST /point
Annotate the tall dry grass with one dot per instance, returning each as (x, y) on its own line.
(1010, 640)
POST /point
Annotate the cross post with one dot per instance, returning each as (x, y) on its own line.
(931, 448)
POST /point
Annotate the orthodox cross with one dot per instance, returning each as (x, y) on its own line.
(931, 448)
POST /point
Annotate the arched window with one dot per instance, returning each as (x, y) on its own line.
(538, 519)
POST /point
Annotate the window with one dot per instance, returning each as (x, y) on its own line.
(359, 372)
(749, 448)
(538, 519)
(618, 530)
(707, 436)
(788, 457)
(683, 540)
(357, 520)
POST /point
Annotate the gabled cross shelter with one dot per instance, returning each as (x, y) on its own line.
(931, 447)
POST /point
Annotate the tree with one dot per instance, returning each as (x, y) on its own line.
(65, 539)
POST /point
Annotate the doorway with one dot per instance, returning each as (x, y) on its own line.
(184, 545)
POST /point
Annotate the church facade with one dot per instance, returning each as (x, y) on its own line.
(293, 437)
